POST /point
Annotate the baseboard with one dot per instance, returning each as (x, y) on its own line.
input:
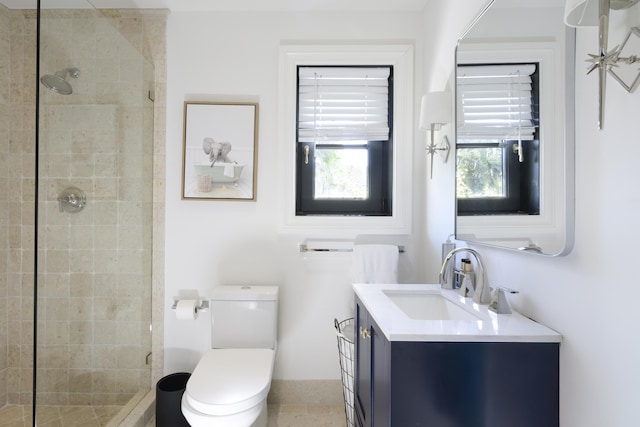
(306, 392)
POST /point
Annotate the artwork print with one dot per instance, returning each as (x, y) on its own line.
(220, 150)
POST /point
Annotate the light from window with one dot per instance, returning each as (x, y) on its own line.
(341, 172)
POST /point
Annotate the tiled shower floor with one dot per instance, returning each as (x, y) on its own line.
(71, 416)
(58, 416)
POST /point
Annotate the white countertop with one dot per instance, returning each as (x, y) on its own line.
(490, 327)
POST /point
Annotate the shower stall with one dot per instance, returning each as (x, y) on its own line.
(76, 215)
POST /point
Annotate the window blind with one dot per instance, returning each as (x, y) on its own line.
(343, 104)
(496, 102)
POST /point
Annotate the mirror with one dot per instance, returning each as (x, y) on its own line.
(515, 128)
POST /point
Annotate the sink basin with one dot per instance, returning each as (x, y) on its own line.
(425, 305)
(427, 313)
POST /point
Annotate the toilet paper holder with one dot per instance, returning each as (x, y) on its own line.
(203, 304)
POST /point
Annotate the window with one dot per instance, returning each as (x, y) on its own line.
(399, 59)
(344, 151)
(498, 146)
(492, 180)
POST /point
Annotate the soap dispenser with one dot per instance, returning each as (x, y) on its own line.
(467, 286)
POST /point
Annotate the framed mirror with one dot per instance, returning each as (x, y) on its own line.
(515, 128)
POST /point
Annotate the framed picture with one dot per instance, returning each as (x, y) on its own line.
(220, 150)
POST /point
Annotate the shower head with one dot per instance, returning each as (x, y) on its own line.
(58, 83)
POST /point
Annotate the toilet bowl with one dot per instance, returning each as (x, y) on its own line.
(230, 384)
(229, 387)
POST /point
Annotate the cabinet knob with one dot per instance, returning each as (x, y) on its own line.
(365, 333)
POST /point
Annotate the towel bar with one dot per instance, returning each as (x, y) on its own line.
(304, 248)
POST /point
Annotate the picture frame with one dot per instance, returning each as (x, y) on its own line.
(220, 146)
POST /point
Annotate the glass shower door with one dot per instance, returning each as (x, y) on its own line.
(94, 228)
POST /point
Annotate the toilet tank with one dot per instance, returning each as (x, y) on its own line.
(244, 317)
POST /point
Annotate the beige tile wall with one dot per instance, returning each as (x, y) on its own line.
(5, 64)
(95, 301)
(20, 206)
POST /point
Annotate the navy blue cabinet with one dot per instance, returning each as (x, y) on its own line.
(453, 384)
(371, 371)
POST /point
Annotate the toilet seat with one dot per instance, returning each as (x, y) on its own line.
(230, 381)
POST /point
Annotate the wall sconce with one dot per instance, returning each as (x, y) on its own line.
(434, 112)
(628, 77)
(585, 13)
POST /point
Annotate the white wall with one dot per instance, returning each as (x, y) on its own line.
(444, 23)
(588, 296)
(222, 56)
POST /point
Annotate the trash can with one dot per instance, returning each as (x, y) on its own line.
(169, 392)
(346, 349)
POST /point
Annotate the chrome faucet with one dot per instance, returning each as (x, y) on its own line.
(482, 294)
(499, 303)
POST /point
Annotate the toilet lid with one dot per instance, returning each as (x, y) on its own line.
(228, 381)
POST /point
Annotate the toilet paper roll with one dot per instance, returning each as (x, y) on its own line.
(187, 309)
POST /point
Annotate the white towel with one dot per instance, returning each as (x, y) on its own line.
(375, 264)
(229, 170)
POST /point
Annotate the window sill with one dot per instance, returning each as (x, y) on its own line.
(347, 227)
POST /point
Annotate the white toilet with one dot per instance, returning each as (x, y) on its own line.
(229, 386)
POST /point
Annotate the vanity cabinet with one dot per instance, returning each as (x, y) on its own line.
(371, 362)
(453, 384)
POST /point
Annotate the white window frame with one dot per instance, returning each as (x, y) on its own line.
(400, 56)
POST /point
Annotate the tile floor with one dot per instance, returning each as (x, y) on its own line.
(306, 416)
(71, 416)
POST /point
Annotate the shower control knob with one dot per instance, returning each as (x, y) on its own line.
(72, 200)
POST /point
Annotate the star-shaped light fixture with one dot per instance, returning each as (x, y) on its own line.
(435, 111)
(628, 77)
(596, 12)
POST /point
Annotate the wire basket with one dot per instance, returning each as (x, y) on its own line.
(345, 334)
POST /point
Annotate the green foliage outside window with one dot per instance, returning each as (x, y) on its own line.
(341, 174)
(479, 172)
